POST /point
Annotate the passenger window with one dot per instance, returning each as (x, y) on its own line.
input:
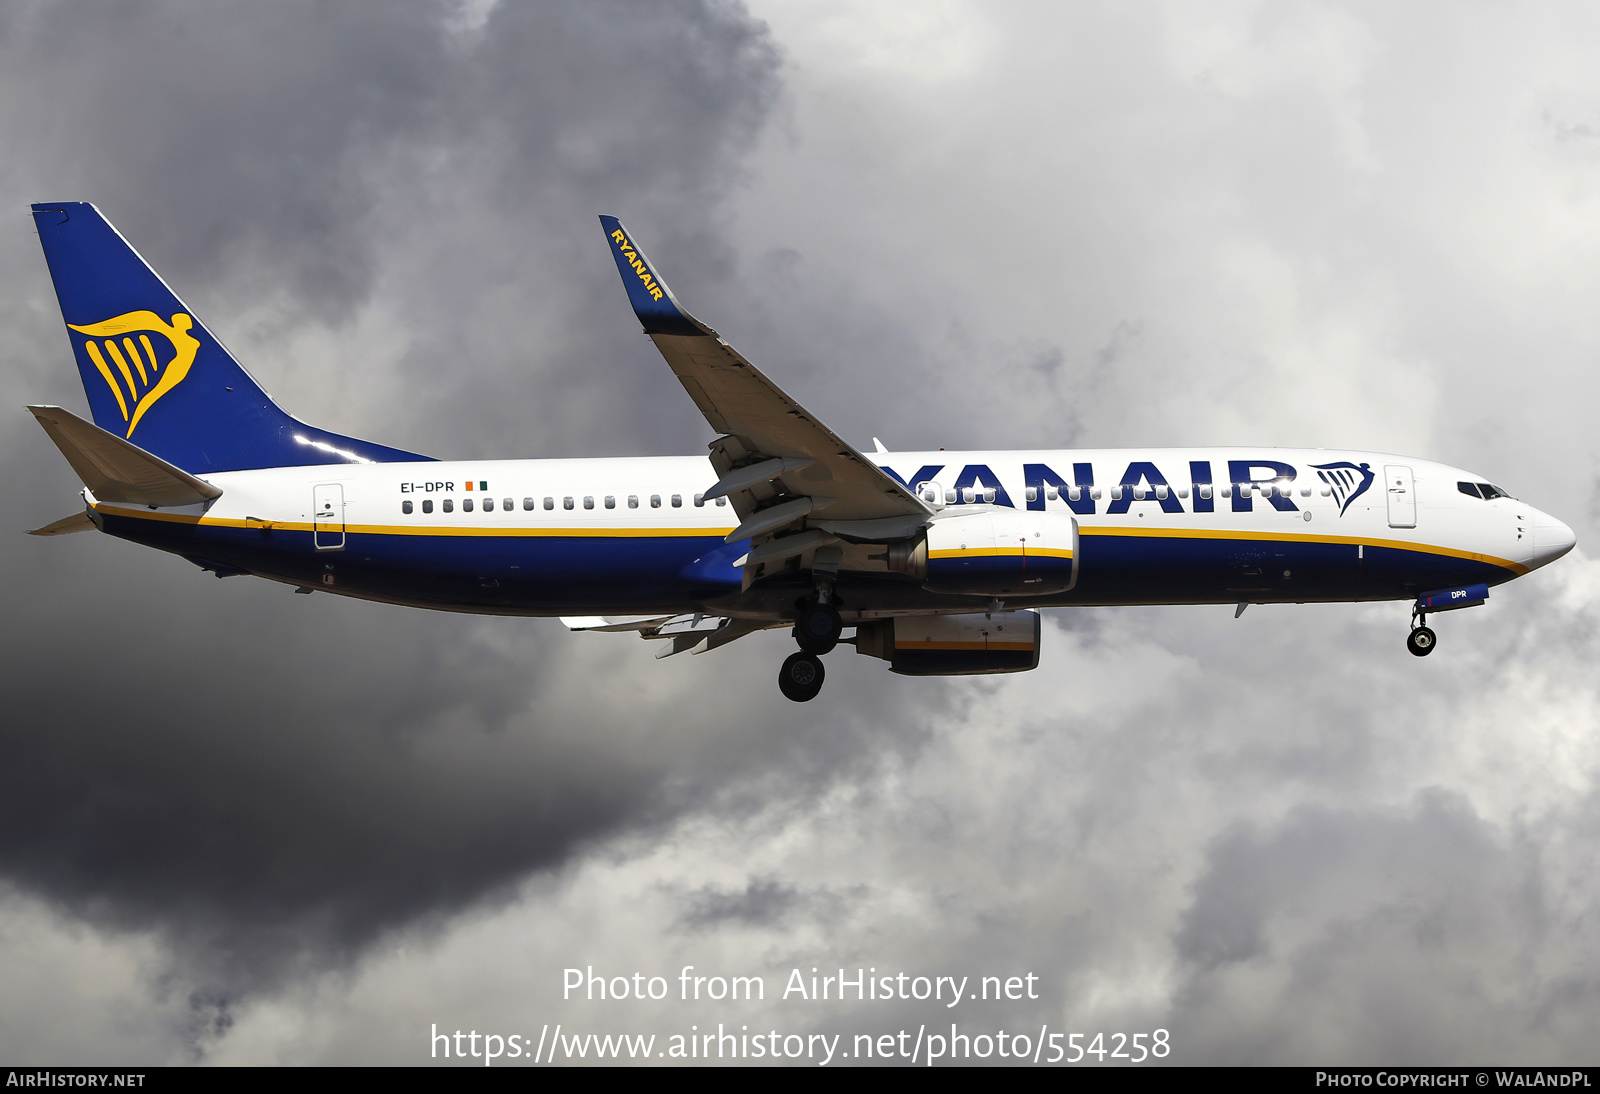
(427, 505)
(611, 501)
(1032, 493)
(677, 501)
(655, 501)
(567, 503)
(527, 503)
(1161, 493)
(1053, 494)
(699, 501)
(448, 506)
(466, 505)
(405, 507)
(588, 501)
(488, 505)
(1205, 490)
(505, 503)
(633, 501)
(722, 501)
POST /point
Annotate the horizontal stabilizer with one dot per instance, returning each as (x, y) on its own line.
(117, 470)
(77, 522)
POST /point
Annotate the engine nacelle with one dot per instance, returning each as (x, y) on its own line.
(953, 645)
(1002, 552)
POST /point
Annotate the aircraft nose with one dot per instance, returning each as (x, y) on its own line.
(1551, 539)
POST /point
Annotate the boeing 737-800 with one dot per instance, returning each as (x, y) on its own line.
(938, 561)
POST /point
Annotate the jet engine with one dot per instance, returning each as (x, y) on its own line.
(953, 645)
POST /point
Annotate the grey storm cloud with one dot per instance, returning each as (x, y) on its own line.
(239, 825)
(155, 773)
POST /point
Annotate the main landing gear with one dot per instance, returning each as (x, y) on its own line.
(818, 628)
(1422, 639)
(816, 631)
(801, 677)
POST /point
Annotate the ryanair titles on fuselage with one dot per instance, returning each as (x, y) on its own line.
(1272, 480)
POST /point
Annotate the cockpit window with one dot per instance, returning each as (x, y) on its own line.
(1492, 492)
(1468, 489)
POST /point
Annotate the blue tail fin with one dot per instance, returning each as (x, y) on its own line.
(153, 372)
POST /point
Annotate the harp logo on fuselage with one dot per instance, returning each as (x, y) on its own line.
(137, 368)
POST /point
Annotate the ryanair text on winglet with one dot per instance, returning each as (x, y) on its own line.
(631, 253)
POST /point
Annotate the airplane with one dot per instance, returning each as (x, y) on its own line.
(939, 562)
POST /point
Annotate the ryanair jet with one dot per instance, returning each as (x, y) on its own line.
(938, 562)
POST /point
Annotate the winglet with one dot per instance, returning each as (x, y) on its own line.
(658, 310)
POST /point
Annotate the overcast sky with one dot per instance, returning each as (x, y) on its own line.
(238, 825)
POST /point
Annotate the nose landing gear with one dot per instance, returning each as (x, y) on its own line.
(1422, 639)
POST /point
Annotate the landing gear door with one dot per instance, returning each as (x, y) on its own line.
(1402, 496)
(327, 517)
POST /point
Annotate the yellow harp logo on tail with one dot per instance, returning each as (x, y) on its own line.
(136, 370)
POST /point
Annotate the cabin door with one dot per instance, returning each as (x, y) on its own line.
(1402, 497)
(327, 518)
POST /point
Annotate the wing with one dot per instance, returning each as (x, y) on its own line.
(782, 469)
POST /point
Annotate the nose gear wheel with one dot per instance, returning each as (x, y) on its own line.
(1421, 641)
